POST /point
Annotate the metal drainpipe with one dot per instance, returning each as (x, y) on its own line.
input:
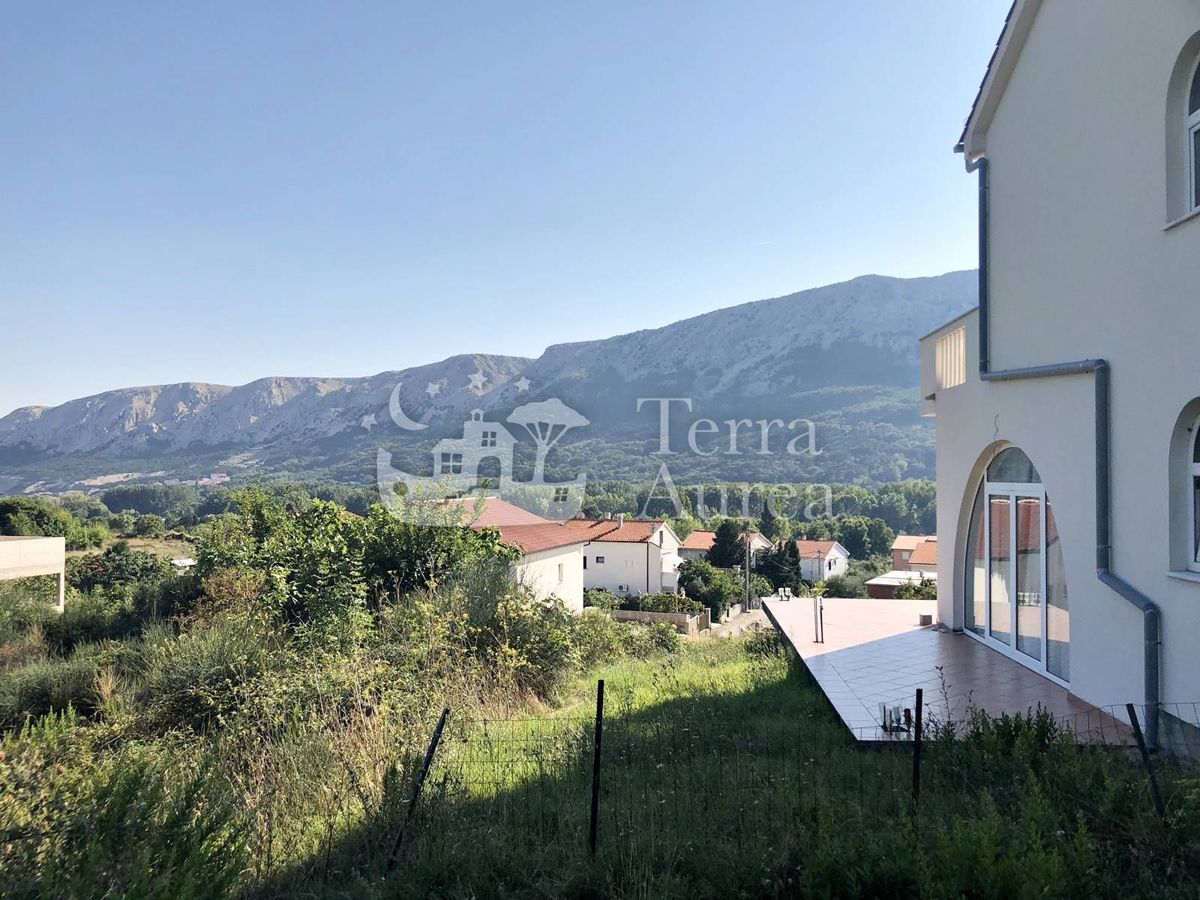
(1100, 371)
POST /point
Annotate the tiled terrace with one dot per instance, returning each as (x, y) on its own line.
(875, 651)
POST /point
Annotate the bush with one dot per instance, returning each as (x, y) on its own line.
(643, 640)
(599, 639)
(662, 603)
(601, 599)
(846, 586)
(714, 588)
(49, 685)
(924, 589)
(149, 525)
(198, 679)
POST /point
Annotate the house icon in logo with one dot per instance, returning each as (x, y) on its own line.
(462, 459)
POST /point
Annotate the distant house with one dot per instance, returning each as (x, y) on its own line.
(551, 554)
(924, 558)
(551, 562)
(628, 556)
(697, 544)
(822, 560)
(903, 547)
(884, 587)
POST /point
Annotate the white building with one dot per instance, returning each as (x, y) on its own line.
(551, 562)
(822, 560)
(25, 557)
(1068, 402)
(633, 556)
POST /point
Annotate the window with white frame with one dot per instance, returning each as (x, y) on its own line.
(1192, 131)
(1193, 505)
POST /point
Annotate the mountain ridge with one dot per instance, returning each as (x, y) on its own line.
(772, 356)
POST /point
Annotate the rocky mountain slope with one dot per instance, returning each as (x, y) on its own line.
(844, 355)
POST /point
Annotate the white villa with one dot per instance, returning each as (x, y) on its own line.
(1068, 402)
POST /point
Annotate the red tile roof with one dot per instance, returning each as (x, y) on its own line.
(494, 511)
(911, 541)
(631, 531)
(925, 553)
(536, 538)
(699, 540)
(813, 548)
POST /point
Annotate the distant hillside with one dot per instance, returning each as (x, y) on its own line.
(844, 356)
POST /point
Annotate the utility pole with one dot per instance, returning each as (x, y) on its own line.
(746, 541)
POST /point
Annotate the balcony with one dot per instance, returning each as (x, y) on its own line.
(947, 356)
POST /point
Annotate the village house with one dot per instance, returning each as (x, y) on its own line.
(628, 556)
(914, 559)
(1068, 401)
(821, 560)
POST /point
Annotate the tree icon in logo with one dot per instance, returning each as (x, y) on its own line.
(546, 421)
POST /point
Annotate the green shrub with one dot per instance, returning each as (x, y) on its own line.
(49, 685)
(643, 640)
(198, 679)
(598, 639)
(601, 599)
(662, 603)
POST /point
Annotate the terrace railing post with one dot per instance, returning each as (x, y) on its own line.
(420, 783)
(596, 743)
(1141, 743)
(917, 722)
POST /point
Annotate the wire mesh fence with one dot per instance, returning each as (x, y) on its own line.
(679, 781)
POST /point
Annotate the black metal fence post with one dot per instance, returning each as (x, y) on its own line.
(421, 776)
(917, 722)
(596, 743)
(1141, 743)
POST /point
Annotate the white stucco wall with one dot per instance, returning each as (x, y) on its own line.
(540, 571)
(632, 567)
(1081, 266)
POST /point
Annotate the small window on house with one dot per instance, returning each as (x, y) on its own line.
(599, 560)
(489, 439)
(1192, 127)
(560, 573)
(561, 494)
(451, 464)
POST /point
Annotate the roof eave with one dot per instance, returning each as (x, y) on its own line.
(973, 143)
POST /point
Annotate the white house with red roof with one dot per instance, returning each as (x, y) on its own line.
(551, 554)
(822, 560)
(628, 556)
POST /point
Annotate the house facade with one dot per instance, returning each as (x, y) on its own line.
(822, 560)
(628, 556)
(903, 547)
(1067, 403)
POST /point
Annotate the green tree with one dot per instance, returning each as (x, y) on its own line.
(728, 549)
(149, 525)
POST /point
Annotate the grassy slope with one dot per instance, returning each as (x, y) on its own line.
(726, 775)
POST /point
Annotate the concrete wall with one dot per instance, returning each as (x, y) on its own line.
(556, 573)
(1082, 266)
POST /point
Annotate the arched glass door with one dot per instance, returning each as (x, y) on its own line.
(1015, 591)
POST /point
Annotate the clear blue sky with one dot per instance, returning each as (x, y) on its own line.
(233, 190)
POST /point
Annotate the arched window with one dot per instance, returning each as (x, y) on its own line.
(1193, 505)
(1015, 595)
(1192, 131)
